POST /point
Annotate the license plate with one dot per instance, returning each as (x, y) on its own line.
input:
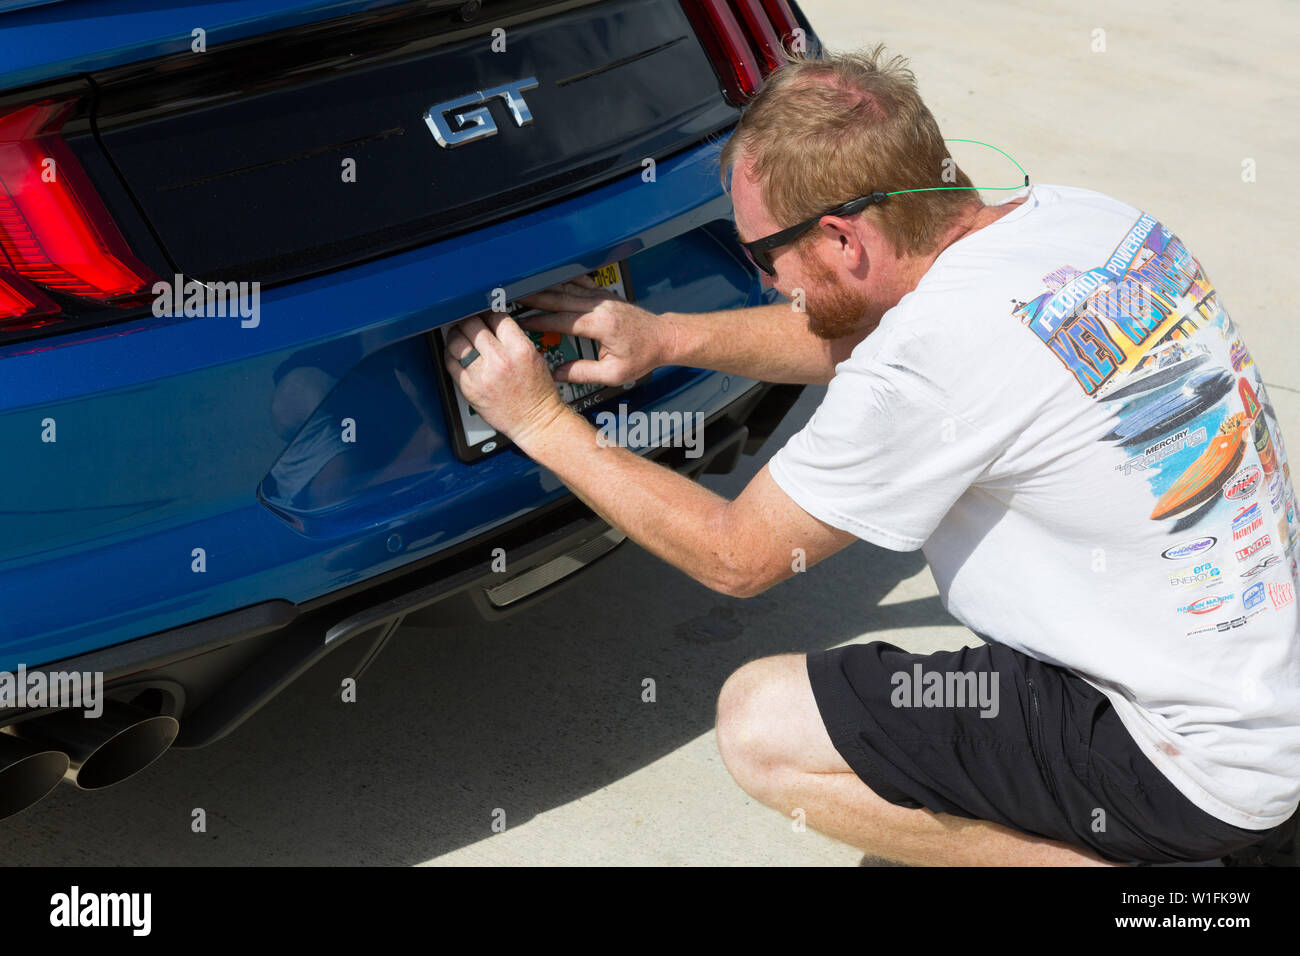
(474, 438)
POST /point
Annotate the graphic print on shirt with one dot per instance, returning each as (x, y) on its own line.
(1145, 335)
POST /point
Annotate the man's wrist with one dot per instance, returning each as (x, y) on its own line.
(673, 339)
(551, 429)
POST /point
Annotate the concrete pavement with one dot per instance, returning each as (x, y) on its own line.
(542, 718)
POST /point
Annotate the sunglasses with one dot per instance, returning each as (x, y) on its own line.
(760, 250)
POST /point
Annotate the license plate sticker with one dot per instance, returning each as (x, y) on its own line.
(474, 437)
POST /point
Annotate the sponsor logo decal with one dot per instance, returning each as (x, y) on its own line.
(1248, 530)
(1163, 449)
(1224, 626)
(1263, 541)
(1245, 515)
(1188, 548)
(1275, 492)
(1264, 565)
(1243, 483)
(1206, 604)
(1281, 594)
(1253, 596)
(1248, 520)
(1202, 574)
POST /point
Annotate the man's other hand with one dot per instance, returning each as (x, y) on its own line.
(632, 341)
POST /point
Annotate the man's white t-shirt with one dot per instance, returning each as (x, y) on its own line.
(1063, 417)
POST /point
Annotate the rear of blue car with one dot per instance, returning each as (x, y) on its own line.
(229, 235)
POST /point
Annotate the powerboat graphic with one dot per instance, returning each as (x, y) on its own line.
(1206, 475)
(1198, 394)
(1162, 366)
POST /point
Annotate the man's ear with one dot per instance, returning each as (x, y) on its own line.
(852, 248)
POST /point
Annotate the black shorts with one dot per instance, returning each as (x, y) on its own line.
(1052, 758)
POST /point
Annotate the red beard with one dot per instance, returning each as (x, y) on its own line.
(834, 310)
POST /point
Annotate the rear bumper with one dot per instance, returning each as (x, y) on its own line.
(213, 674)
(168, 428)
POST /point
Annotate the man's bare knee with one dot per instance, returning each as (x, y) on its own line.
(764, 724)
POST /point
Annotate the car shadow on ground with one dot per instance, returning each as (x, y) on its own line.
(451, 724)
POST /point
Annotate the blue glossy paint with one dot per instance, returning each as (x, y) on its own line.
(78, 36)
(168, 428)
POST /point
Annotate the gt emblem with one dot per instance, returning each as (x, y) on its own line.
(472, 124)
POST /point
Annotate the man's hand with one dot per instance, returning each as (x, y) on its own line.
(771, 343)
(736, 547)
(509, 384)
(632, 340)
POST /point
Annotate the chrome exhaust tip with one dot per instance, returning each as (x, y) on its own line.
(27, 773)
(102, 750)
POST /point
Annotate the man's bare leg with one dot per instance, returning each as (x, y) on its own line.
(775, 745)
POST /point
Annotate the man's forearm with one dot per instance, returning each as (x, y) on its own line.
(770, 343)
(668, 514)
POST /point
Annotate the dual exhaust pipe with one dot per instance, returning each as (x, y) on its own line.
(37, 754)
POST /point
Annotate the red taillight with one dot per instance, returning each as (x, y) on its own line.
(54, 230)
(728, 49)
(782, 18)
(22, 306)
(745, 40)
(761, 32)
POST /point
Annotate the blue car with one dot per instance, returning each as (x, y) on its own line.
(232, 236)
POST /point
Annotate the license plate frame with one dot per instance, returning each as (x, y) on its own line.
(472, 438)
